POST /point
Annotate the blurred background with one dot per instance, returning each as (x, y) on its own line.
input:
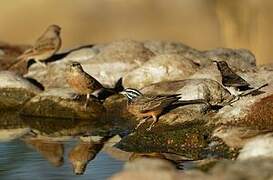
(202, 24)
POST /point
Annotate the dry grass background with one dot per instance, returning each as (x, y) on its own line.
(203, 24)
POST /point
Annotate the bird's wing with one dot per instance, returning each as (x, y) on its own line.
(92, 82)
(149, 102)
(235, 81)
(45, 44)
(41, 46)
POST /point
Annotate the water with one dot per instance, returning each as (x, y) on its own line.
(18, 161)
(46, 148)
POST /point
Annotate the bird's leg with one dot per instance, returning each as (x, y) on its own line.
(141, 122)
(155, 119)
(86, 102)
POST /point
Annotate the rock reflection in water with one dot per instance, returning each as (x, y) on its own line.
(51, 138)
(53, 151)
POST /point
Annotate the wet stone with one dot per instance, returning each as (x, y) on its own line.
(187, 140)
(15, 90)
(59, 103)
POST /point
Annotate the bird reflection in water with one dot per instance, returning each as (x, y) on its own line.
(83, 152)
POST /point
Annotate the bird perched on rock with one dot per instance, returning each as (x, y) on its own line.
(45, 46)
(146, 106)
(230, 78)
(84, 84)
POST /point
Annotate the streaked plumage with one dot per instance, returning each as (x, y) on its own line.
(146, 106)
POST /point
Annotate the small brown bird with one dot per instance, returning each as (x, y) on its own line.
(45, 47)
(146, 106)
(84, 84)
(230, 78)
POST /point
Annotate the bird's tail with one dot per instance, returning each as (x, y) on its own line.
(193, 101)
(20, 59)
(106, 92)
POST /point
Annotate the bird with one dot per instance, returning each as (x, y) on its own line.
(230, 78)
(84, 84)
(147, 105)
(45, 46)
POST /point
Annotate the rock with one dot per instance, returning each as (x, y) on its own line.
(208, 72)
(53, 76)
(142, 164)
(15, 90)
(258, 147)
(10, 119)
(167, 47)
(160, 68)
(259, 168)
(253, 169)
(9, 53)
(7, 135)
(245, 119)
(239, 59)
(117, 59)
(188, 140)
(158, 169)
(107, 63)
(191, 89)
(59, 103)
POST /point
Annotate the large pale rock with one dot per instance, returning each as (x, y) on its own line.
(167, 47)
(260, 146)
(160, 68)
(15, 90)
(238, 59)
(107, 63)
(158, 169)
(252, 169)
(117, 59)
(59, 103)
(53, 75)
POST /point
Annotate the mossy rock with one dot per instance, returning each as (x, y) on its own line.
(59, 103)
(14, 98)
(188, 140)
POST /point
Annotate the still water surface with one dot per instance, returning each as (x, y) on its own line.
(19, 161)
